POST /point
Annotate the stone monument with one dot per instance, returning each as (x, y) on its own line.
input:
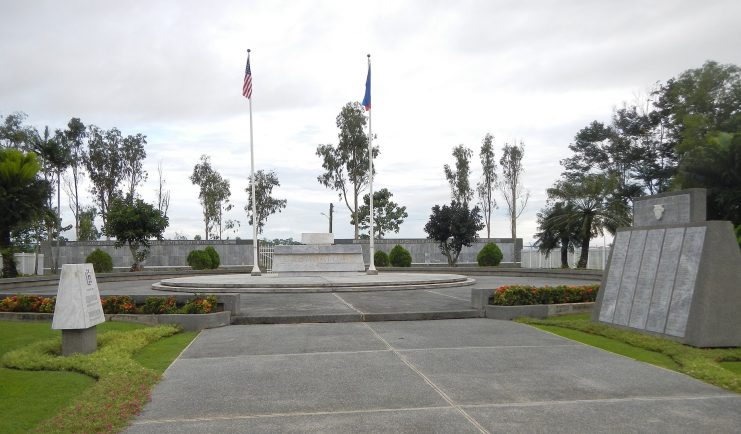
(318, 254)
(78, 309)
(674, 274)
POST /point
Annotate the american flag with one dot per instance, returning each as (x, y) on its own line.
(247, 86)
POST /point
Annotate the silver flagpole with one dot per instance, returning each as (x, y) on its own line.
(256, 267)
(372, 266)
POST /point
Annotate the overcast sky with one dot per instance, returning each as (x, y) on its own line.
(444, 73)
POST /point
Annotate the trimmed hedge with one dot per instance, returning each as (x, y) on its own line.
(400, 257)
(381, 259)
(490, 255)
(214, 255)
(199, 260)
(519, 295)
(102, 261)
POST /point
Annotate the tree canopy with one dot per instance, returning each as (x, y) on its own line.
(387, 215)
(453, 227)
(133, 222)
(266, 204)
(346, 165)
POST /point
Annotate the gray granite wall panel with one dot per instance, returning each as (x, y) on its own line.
(614, 275)
(630, 279)
(664, 284)
(646, 278)
(684, 284)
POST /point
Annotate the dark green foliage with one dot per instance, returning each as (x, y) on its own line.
(738, 234)
(23, 198)
(556, 230)
(453, 227)
(199, 260)
(133, 222)
(159, 305)
(519, 295)
(381, 259)
(214, 255)
(490, 255)
(102, 261)
(400, 257)
(387, 214)
(266, 204)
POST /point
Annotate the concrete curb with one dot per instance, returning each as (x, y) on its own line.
(189, 322)
(535, 311)
(355, 317)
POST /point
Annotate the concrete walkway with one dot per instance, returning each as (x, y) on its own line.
(452, 376)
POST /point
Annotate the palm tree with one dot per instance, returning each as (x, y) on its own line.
(22, 198)
(594, 203)
(557, 232)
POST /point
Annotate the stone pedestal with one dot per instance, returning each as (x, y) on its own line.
(82, 341)
(318, 259)
(674, 274)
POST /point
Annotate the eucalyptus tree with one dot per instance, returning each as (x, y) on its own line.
(485, 187)
(105, 166)
(214, 196)
(346, 165)
(75, 135)
(459, 178)
(266, 204)
(511, 186)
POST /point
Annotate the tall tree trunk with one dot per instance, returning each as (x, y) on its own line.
(355, 215)
(513, 224)
(9, 269)
(586, 232)
(564, 253)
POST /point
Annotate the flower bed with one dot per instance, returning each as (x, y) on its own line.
(525, 295)
(115, 304)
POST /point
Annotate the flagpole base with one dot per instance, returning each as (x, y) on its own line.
(372, 271)
(255, 271)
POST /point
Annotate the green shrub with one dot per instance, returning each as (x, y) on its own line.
(518, 295)
(381, 259)
(159, 305)
(102, 262)
(490, 255)
(214, 255)
(400, 257)
(199, 260)
(738, 235)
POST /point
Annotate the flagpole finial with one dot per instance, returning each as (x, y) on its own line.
(248, 50)
(369, 55)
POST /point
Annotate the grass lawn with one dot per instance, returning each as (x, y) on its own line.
(28, 397)
(721, 367)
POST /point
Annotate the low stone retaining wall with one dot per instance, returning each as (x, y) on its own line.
(189, 322)
(535, 310)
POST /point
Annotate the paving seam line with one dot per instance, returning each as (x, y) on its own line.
(312, 353)
(489, 347)
(291, 414)
(602, 400)
(446, 295)
(427, 380)
(362, 314)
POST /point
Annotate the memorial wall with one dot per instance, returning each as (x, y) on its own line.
(674, 274)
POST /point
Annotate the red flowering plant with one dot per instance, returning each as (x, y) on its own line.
(200, 304)
(118, 304)
(517, 295)
(27, 303)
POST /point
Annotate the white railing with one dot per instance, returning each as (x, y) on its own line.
(265, 253)
(531, 258)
